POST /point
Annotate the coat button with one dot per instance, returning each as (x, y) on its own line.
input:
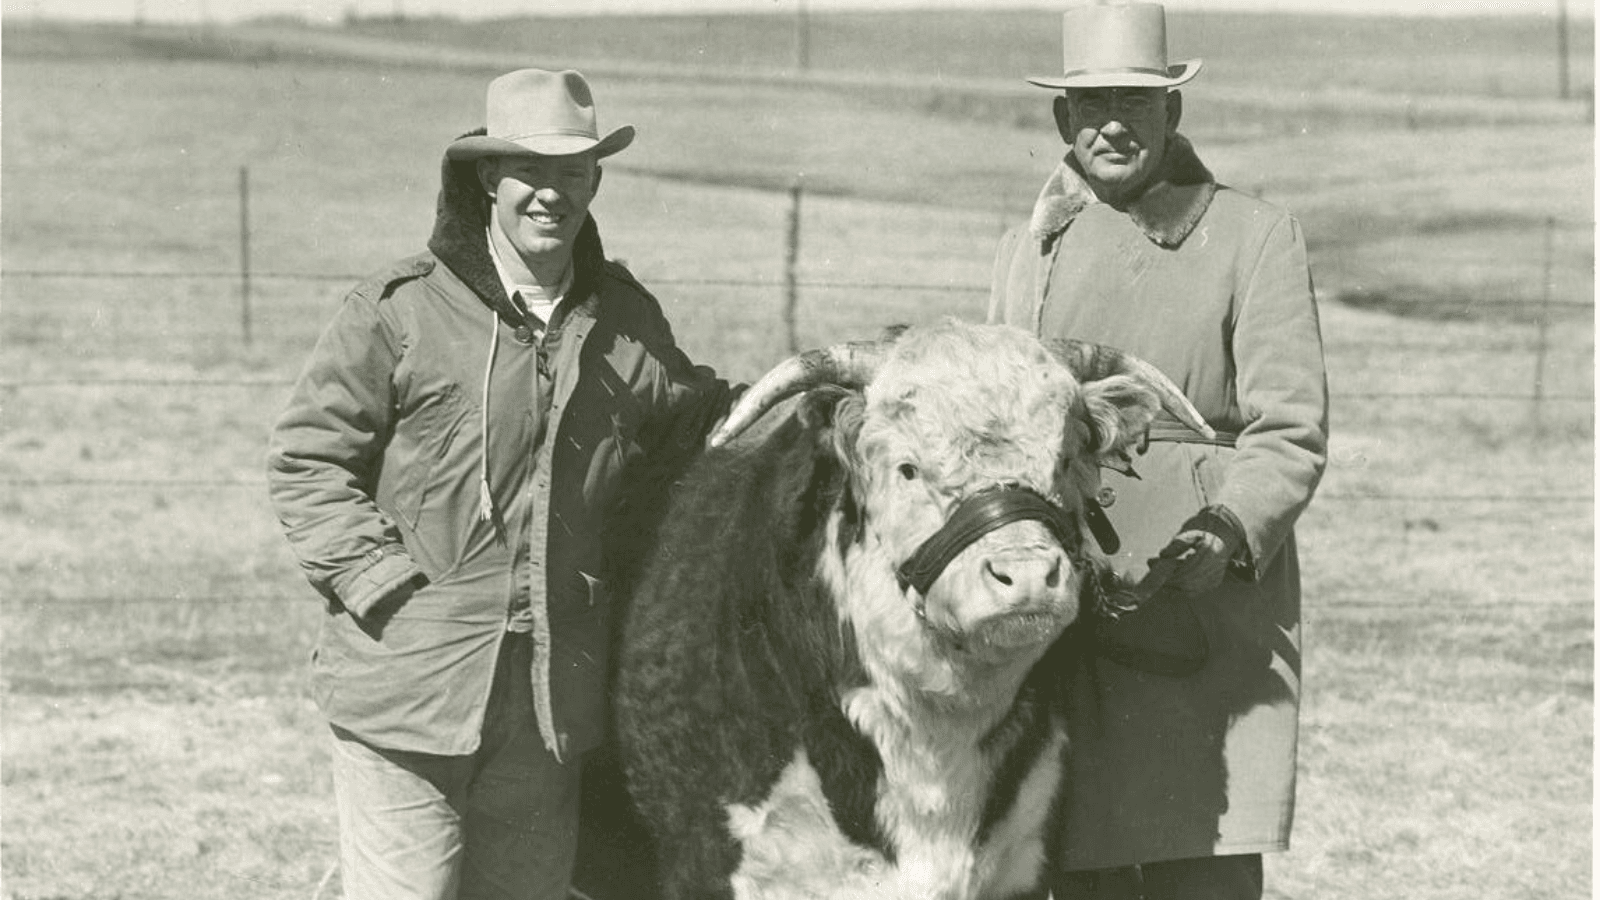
(1106, 496)
(524, 334)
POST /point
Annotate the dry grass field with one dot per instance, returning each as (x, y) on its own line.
(157, 737)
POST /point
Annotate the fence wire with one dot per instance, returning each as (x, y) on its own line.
(284, 384)
(758, 283)
(1402, 604)
(260, 484)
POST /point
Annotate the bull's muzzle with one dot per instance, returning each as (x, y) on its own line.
(973, 518)
(1021, 583)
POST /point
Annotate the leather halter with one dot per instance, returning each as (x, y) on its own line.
(974, 517)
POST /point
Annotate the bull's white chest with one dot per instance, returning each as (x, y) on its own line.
(930, 805)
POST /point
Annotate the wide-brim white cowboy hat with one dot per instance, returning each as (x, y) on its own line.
(534, 111)
(1116, 45)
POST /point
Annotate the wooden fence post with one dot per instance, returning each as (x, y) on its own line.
(244, 252)
(1542, 350)
(791, 258)
(802, 39)
(1563, 67)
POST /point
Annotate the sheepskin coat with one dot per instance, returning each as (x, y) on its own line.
(1213, 287)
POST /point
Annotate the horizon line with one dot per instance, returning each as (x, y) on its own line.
(335, 11)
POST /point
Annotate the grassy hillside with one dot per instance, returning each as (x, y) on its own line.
(1408, 197)
(1490, 57)
(1280, 66)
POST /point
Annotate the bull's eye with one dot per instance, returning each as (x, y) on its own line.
(908, 471)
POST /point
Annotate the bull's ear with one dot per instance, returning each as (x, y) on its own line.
(816, 408)
(847, 416)
(1119, 411)
(833, 415)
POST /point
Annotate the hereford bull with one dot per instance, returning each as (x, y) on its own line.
(824, 685)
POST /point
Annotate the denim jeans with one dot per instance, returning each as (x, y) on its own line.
(501, 823)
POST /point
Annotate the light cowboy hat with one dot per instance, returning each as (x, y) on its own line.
(533, 111)
(1116, 45)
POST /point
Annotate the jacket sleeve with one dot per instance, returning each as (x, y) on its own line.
(324, 458)
(692, 399)
(689, 400)
(1282, 391)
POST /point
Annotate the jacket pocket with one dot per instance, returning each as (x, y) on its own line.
(411, 679)
(429, 432)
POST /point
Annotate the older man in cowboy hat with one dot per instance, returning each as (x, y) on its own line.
(1183, 728)
(444, 471)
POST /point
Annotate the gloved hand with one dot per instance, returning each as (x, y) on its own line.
(1202, 549)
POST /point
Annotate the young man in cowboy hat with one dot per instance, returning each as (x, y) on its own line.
(444, 470)
(1181, 775)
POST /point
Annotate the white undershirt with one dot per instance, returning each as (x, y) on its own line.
(532, 297)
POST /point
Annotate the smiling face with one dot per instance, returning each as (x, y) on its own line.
(1118, 135)
(538, 205)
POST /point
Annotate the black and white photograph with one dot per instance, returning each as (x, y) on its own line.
(797, 449)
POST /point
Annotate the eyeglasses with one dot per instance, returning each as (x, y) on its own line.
(1105, 103)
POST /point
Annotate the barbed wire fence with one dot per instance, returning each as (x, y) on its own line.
(1536, 396)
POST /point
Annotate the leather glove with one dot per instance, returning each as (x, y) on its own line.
(1203, 549)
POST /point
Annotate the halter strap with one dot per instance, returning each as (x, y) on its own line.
(973, 518)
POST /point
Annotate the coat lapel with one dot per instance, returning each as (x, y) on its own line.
(1166, 212)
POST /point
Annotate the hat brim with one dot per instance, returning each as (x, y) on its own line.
(478, 146)
(1176, 75)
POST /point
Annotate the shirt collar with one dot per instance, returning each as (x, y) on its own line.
(528, 297)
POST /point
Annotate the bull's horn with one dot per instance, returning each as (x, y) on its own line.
(849, 365)
(1092, 362)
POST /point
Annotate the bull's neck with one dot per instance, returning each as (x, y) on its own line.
(938, 773)
(955, 699)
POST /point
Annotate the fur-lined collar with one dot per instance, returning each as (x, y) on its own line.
(1166, 212)
(461, 243)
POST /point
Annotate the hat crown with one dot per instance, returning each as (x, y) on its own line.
(1109, 37)
(531, 103)
(1116, 45)
(539, 112)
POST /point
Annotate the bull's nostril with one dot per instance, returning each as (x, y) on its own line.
(996, 574)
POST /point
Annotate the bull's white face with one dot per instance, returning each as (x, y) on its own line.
(981, 422)
(957, 410)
